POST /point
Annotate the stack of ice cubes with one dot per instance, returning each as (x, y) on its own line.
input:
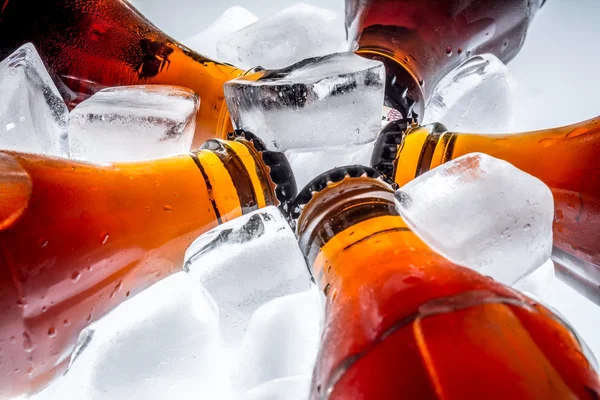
(243, 321)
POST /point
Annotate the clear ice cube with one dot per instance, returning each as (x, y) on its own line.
(33, 115)
(282, 340)
(245, 263)
(309, 164)
(482, 213)
(232, 20)
(282, 39)
(292, 388)
(131, 123)
(539, 284)
(334, 100)
(163, 343)
(478, 96)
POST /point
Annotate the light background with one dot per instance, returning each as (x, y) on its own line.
(558, 73)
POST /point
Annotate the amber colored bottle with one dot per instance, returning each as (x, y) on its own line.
(77, 239)
(88, 45)
(567, 159)
(402, 322)
(420, 41)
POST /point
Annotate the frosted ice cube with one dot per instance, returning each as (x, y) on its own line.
(245, 263)
(232, 20)
(309, 164)
(162, 343)
(327, 101)
(292, 388)
(478, 96)
(291, 35)
(281, 341)
(540, 283)
(130, 123)
(483, 213)
(33, 115)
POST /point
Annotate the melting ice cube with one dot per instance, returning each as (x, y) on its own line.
(130, 123)
(232, 20)
(245, 263)
(162, 343)
(478, 96)
(326, 101)
(33, 115)
(291, 35)
(483, 213)
(282, 340)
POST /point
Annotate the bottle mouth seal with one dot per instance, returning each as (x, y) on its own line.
(279, 169)
(387, 146)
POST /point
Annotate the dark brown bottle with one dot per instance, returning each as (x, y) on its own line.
(567, 159)
(88, 45)
(403, 322)
(420, 41)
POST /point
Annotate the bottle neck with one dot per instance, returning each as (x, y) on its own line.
(78, 238)
(421, 42)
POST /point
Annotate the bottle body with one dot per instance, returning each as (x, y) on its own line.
(91, 45)
(565, 159)
(89, 236)
(402, 321)
(421, 41)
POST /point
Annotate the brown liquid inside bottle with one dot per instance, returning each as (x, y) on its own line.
(404, 322)
(566, 159)
(77, 239)
(420, 41)
(88, 45)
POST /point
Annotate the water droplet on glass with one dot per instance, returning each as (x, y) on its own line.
(22, 302)
(167, 208)
(44, 309)
(558, 215)
(66, 322)
(128, 293)
(459, 51)
(30, 370)
(449, 51)
(104, 237)
(43, 242)
(27, 343)
(75, 276)
(52, 332)
(527, 227)
(13, 339)
(147, 208)
(89, 317)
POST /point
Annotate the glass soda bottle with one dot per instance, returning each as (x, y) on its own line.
(566, 159)
(77, 239)
(401, 321)
(420, 41)
(88, 45)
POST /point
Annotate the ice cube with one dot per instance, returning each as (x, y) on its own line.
(483, 213)
(282, 39)
(33, 115)
(245, 263)
(326, 101)
(162, 343)
(152, 120)
(232, 20)
(478, 96)
(281, 341)
(309, 164)
(292, 388)
(539, 284)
